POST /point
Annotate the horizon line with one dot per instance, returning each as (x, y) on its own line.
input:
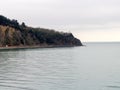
(101, 42)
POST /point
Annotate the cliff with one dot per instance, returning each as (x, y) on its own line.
(14, 34)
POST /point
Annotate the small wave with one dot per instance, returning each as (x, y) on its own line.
(17, 87)
(7, 79)
(113, 86)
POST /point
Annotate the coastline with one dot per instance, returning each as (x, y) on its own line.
(33, 47)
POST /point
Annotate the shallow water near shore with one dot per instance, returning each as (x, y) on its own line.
(95, 66)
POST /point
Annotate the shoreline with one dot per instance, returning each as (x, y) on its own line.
(33, 47)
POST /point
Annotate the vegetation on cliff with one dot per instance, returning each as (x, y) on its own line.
(14, 34)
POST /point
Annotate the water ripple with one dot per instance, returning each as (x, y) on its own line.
(113, 87)
(17, 87)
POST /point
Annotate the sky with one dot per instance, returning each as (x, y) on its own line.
(88, 20)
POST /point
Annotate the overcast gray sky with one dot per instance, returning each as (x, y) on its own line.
(88, 20)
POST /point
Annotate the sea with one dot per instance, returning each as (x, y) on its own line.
(95, 66)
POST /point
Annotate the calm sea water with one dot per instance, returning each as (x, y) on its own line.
(94, 67)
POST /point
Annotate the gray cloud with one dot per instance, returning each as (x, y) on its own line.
(65, 14)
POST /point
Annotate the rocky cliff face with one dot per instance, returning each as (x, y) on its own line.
(14, 34)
